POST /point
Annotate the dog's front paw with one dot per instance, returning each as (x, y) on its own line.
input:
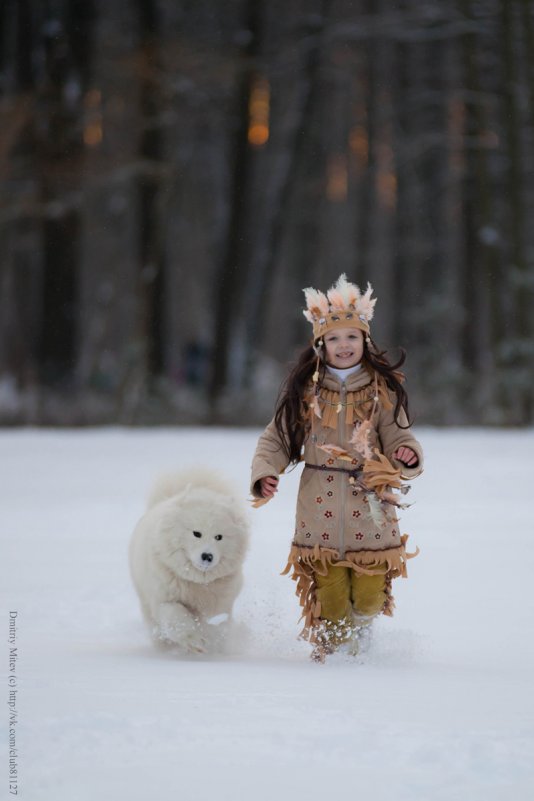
(188, 636)
(194, 641)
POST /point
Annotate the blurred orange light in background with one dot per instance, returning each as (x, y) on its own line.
(386, 184)
(93, 98)
(92, 134)
(337, 178)
(258, 127)
(359, 144)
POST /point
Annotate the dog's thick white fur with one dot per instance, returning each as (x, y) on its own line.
(186, 558)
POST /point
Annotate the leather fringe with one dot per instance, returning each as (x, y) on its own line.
(358, 406)
(304, 562)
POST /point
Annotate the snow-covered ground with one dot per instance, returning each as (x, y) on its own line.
(441, 708)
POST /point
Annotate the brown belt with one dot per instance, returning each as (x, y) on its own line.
(354, 473)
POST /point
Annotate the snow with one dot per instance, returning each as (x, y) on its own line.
(440, 708)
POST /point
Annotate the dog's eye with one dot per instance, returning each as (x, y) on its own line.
(218, 536)
(197, 533)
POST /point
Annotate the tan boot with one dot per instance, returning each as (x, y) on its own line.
(328, 635)
(319, 653)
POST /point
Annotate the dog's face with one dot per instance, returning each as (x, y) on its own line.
(202, 536)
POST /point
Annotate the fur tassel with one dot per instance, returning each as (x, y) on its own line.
(379, 473)
(315, 406)
(360, 439)
(378, 512)
(257, 503)
(336, 452)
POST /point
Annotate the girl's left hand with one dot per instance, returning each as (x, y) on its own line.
(406, 456)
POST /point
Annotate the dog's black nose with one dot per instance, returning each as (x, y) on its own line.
(207, 557)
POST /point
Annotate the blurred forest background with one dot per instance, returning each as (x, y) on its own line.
(174, 172)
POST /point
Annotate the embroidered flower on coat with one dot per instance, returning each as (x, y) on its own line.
(326, 536)
(329, 493)
(318, 499)
(359, 535)
(357, 513)
(330, 478)
(354, 492)
(377, 536)
(328, 513)
(330, 461)
(302, 524)
(308, 534)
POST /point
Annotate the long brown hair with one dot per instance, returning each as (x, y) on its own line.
(289, 418)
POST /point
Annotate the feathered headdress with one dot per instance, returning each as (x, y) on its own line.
(343, 306)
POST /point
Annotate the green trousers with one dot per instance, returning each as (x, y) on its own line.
(343, 593)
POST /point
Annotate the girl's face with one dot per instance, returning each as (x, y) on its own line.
(344, 347)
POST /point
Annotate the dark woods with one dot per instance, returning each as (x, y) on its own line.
(172, 173)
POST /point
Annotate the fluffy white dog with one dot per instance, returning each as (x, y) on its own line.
(186, 558)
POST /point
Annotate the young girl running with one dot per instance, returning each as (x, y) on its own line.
(344, 412)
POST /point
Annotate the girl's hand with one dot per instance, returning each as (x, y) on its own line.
(406, 456)
(268, 486)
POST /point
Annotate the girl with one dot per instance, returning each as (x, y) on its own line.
(343, 411)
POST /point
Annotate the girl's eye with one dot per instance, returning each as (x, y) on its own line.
(218, 536)
(197, 533)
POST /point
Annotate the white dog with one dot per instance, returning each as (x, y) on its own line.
(186, 558)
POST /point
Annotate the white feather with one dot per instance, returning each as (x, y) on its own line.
(366, 305)
(316, 300)
(343, 295)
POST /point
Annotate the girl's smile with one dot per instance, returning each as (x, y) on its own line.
(344, 347)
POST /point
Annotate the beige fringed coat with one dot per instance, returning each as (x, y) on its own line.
(337, 519)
